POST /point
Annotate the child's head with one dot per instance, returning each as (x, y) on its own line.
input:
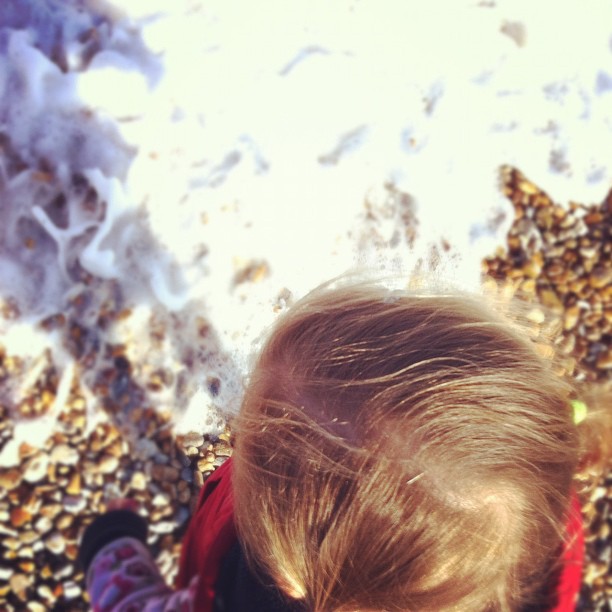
(397, 452)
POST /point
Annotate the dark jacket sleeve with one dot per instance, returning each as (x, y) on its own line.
(106, 528)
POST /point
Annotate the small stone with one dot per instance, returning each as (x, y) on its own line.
(551, 300)
(64, 454)
(192, 451)
(193, 439)
(10, 479)
(63, 522)
(5, 573)
(171, 473)
(108, 464)
(187, 475)
(45, 592)
(183, 461)
(528, 187)
(43, 525)
(36, 468)
(63, 572)
(570, 317)
(115, 449)
(138, 481)
(161, 459)
(7, 531)
(604, 360)
(19, 585)
(74, 504)
(31, 502)
(74, 484)
(182, 515)
(55, 543)
(205, 466)
(36, 606)
(93, 480)
(46, 572)
(223, 448)
(25, 450)
(184, 496)
(11, 543)
(27, 537)
(72, 551)
(165, 473)
(162, 527)
(145, 448)
(20, 517)
(71, 590)
(600, 277)
(160, 500)
(51, 510)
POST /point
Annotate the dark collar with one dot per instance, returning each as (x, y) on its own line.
(238, 589)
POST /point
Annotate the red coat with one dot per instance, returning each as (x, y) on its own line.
(209, 537)
(212, 533)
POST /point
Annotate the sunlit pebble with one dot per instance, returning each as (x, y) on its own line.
(55, 543)
(205, 466)
(108, 464)
(138, 481)
(19, 583)
(7, 532)
(20, 517)
(27, 537)
(75, 504)
(36, 468)
(74, 484)
(43, 525)
(11, 543)
(160, 500)
(71, 590)
(45, 592)
(63, 522)
(10, 479)
(50, 510)
(63, 572)
(64, 454)
(162, 527)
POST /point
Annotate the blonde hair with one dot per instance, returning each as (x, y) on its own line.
(400, 452)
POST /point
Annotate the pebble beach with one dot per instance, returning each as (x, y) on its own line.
(172, 179)
(56, 490)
